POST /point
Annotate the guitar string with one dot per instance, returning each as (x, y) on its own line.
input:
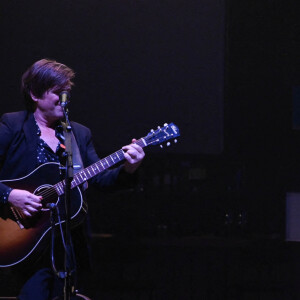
(100, 165)
(51, 191)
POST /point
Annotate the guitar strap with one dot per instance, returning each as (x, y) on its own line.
(77, 160)
(76, 157)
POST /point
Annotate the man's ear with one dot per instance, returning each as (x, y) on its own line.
(34, 98)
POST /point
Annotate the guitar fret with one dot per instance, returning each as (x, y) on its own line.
(57, 188)
(139, 142)
(89, 173)
(73, 183)
(93, 169)
(83, 178)
(80, 175)
(61, 186)
(99, 167)
(76, 179)
(107, 162)
(102, 165)
(111, 162)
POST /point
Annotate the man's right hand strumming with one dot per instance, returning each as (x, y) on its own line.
(26, 202)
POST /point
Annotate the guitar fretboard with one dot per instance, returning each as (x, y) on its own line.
(94, 169)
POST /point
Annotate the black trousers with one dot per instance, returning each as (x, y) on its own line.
(42, 285)
(39, 280)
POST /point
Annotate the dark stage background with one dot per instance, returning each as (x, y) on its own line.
(139, 64)
(208, 217)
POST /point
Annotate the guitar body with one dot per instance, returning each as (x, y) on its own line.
(21, 236)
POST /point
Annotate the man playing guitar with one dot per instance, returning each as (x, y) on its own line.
(30, 139)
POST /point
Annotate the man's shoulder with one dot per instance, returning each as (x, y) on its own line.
(80, 128)
(80, 131)
(15, 118)
(16, 114)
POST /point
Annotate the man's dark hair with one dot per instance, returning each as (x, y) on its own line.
(42, 76)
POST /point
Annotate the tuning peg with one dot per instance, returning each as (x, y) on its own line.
(168, 144)
(161, 146)
(166, 124)
(158, 127)
(152, 130)
(175, 141)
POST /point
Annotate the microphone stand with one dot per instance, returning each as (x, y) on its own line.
(69, 259)
(69, 262)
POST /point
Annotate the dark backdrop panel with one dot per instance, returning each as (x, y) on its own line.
(139, 64)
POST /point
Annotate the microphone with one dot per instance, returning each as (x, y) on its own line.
(64, 99)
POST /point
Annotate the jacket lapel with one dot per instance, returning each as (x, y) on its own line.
(31, 138)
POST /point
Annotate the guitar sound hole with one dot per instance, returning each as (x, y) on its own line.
(48, 193)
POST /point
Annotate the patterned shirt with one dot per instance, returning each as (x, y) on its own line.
(44, 154)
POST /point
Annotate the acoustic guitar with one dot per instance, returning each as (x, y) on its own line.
(21, 236)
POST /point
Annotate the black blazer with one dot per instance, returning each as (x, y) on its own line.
(18, 146)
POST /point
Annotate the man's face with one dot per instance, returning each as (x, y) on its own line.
(49, 106)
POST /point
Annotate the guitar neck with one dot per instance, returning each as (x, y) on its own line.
(94, 169)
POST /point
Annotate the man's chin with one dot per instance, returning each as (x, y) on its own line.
(60, 113)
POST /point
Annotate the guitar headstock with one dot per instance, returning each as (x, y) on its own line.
(162, 134)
